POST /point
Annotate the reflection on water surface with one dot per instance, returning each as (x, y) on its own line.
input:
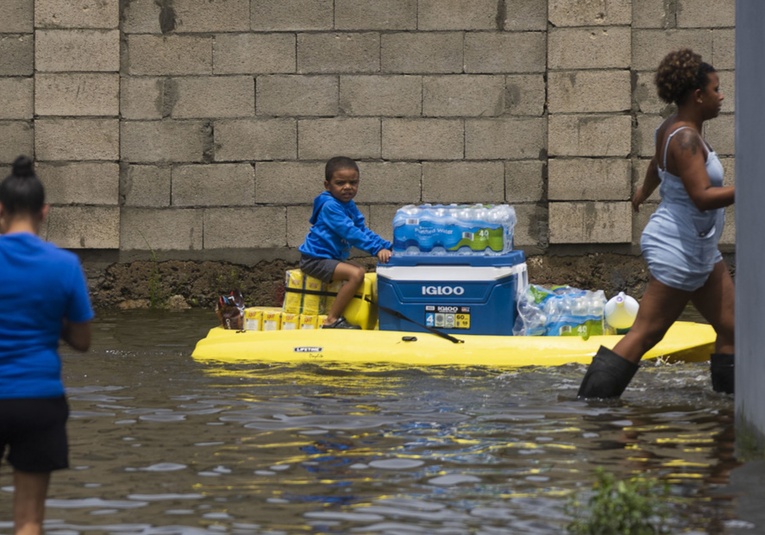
(161, 444)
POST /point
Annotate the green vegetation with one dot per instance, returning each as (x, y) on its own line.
(637, 506)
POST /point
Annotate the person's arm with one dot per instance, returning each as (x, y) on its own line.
(650, 183)
(688, 155)
(354, 230)
(77, 335)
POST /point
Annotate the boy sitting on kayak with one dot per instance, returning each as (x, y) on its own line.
(337, 224)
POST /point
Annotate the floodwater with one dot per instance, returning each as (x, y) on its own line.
(162, 444)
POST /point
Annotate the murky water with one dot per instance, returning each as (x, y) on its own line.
(161, 444)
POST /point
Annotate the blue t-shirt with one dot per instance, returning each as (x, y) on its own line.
(40, 285)
(336, 227)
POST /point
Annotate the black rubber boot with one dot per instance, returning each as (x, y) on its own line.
(722, 366)
(607, 376)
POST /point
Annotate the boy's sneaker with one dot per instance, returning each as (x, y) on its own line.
(340, 323)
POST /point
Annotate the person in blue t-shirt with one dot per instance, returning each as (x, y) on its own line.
(43, 299)
(337, 225)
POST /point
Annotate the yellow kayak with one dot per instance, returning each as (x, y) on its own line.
(685, 341)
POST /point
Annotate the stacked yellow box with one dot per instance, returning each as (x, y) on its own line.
(274, 319)
(303, 294)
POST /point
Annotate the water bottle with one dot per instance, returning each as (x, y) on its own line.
(621, 311)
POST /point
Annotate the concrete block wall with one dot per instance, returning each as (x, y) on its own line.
(199, 126)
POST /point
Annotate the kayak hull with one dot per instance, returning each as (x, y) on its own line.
(685, 341)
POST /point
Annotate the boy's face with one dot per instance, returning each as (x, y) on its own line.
(344, 184)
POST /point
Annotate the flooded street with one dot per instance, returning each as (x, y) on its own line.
(162, 444)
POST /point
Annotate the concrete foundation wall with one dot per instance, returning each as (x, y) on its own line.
(162, 125)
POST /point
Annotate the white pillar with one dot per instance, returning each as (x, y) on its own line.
(750, 224)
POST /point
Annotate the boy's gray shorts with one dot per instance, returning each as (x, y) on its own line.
(320, 268)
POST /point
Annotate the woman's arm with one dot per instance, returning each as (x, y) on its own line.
(650, 183)
(688, 156)
(76, 335)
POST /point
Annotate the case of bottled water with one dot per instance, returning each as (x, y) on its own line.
(463, 229)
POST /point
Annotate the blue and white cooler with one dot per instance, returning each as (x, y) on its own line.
(457, 294)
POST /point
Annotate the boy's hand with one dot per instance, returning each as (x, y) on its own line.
(384, 255)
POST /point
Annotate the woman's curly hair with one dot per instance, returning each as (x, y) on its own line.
(679, 73)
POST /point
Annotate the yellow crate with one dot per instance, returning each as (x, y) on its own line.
(309, 321)
(272, 318)
(253, 319)
(302, 293)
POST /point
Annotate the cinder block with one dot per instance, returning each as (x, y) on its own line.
(84, 227)
(212, 15)
(255, 227)
(463, 95)
(392, 96)
(507, 138)
(389, 182)
(255, 139)
(522, 15)
(509, 52)
(524, 181)
(143, 16)
(589, 135)
(653, 14)
(643, 143)
(16, 98)
(525, 94)
(77, 50)
(457, 15)
(288, 182)
(720, 133)
(221, 184)
(423, 139)
(296, 95)
(645, 95)
(16, 138)
(375, 15)
(338, 52)
(728, 237)
(157, 229)
(210, 96)
(77, 139)
(76, 14)
(141, 97)
(531, 229)
(590, 222)
(95, 183)
(74, 94)
(165, 141)
(724, 49)
(589, 48)
(254, 53)
(357, 137)
(586, 179)
(297, 224)
(17, 16)
(463, 182)
(17, 55)
(169, 55)
(564, 13)
(422, 52)
(146, 185)
(380, 219)
(589, 91)
(650, 46)
(706, 13)
(291, 15)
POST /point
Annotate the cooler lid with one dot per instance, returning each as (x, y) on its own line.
(512, 258)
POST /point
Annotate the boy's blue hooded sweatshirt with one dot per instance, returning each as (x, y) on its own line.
(338, 226)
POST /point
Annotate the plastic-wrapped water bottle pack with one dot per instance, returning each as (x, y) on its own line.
(464, 229)
(560, 311)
